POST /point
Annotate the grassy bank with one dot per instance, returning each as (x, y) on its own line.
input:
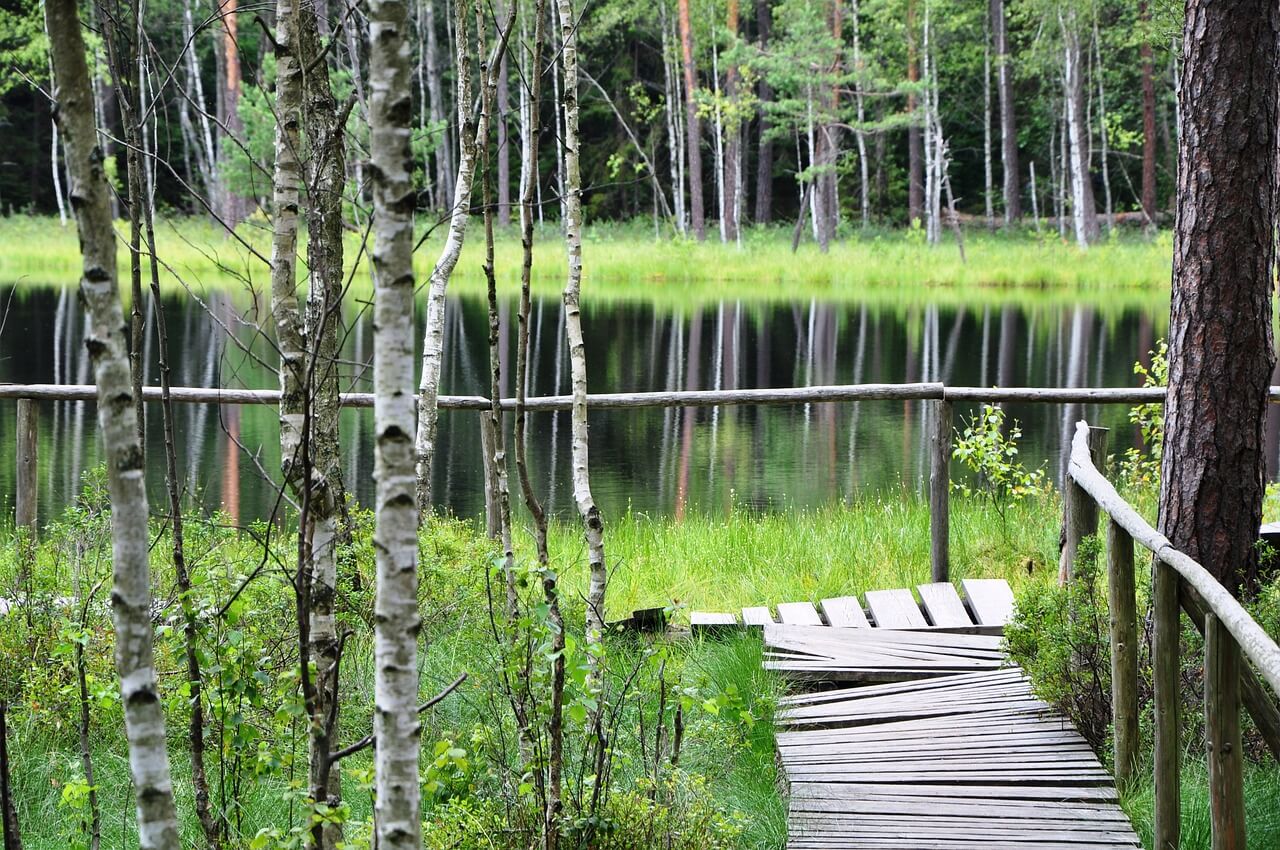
(627, 263)
(718, 563)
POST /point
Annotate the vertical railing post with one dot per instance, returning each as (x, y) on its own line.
(1222, 735)
(1124, 650)
(940, 492)
(27, 434)
(488, 445)
(1164, 663)
(1079, 512)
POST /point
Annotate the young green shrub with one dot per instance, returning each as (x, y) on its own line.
(992, 455)
(1140, 467)
(1059, 636)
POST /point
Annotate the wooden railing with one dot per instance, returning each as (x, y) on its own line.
(1178, 582)
(942, 397)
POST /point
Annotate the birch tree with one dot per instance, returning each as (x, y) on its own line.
(126, 485)
(471, 128)
(593, 525)
(397, 731)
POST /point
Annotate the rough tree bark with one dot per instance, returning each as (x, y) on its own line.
(131, 591)
(1221, 351)
(593, 525)
(397, 731)
(693, 131)
(1008, 121)
(326, 176)
(915, 150)
(469, 131)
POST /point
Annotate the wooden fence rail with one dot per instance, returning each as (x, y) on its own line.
(1229, 632)
(939, 395)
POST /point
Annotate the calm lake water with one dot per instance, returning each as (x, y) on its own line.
(663, 462)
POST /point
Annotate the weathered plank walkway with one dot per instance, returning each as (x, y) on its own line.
(950, 751)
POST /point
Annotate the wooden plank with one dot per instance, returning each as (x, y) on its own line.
(705, 622)
(990, 600)
(894, 609)
(844, 612)
(942, 605)
(799, 614)
(758, 616)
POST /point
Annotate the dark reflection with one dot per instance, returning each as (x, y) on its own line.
(661, 461)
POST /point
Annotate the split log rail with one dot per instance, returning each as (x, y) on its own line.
(1229, 630)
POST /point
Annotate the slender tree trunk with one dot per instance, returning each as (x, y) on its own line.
(1084, 212)
(235, 207)
(397, 731)
(693, 132)
(593, 525)
(131, 592)
(987, 191)
(504, 143)
(672, 102)
(326, 180)
(1221, 351)
(1102, 125)
(1008, 122)
(470, 129)
(764, 153)
(733, 148)
(551, 594)
(1148, 114)
(915, 151)
(443, 160)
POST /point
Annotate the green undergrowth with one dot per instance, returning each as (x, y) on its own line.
(627, 263)
(1262, 816)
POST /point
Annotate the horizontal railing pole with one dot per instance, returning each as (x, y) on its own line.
(686, 398)
(1256, 644)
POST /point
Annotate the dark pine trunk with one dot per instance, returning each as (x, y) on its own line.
(1221, 351)
(697, 217)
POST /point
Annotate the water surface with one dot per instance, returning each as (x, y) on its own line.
(663, 462)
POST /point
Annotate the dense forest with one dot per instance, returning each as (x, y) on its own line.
(705, 114)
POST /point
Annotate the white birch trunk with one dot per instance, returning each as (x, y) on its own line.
(1102, 127)
(592, 523)
(671, 97)
(433, 342)
(284, 243)
(126, 484)
(987, 185)
(864, 185)
(397, 731)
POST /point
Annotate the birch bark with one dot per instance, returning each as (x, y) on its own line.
(433, 343)
(131, 592)
(593, 525)
(397, 731)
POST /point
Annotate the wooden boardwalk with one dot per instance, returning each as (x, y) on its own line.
(949, 750)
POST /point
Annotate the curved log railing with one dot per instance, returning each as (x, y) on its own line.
(1229, 631)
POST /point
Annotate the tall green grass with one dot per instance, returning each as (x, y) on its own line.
(747, 558)
(627, 263)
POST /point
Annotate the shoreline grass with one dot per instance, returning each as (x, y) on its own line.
(626, 263)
